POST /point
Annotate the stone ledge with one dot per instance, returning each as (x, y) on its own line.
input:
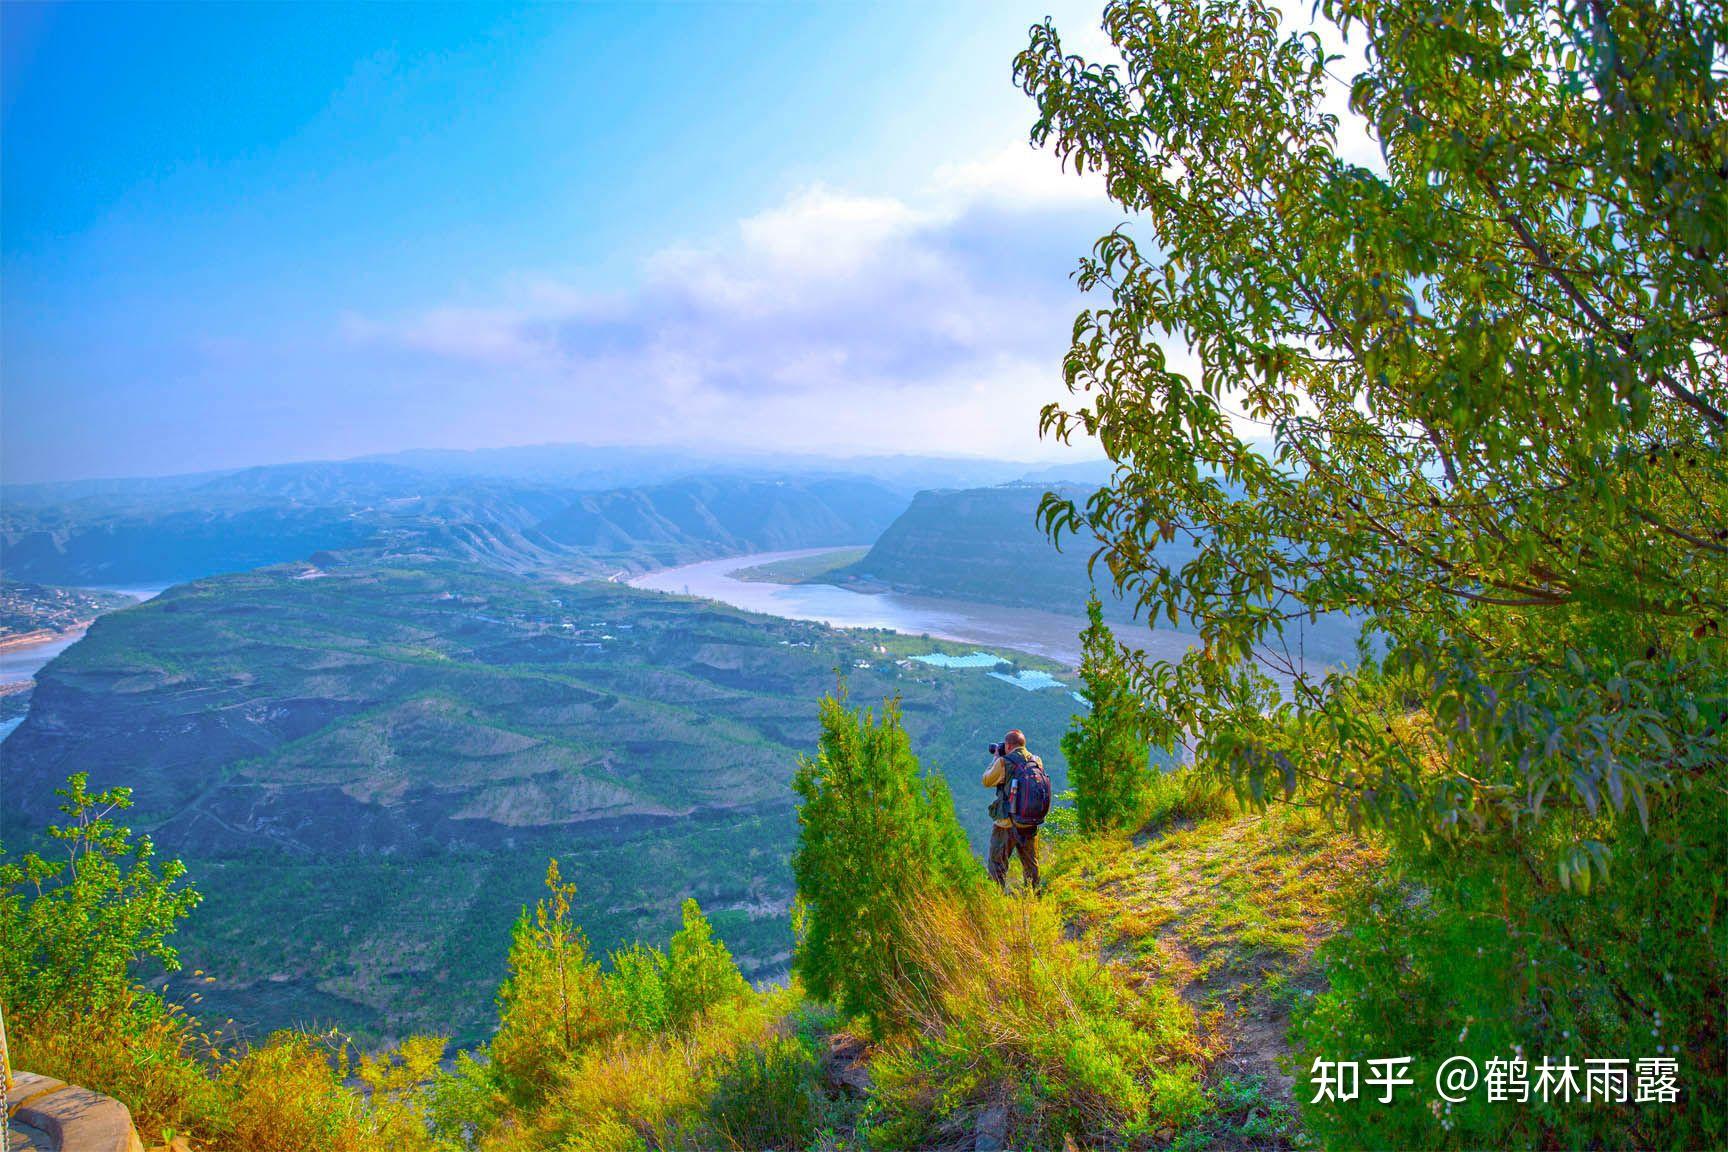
(76, 1119)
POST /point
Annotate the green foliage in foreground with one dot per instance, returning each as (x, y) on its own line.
(1494, 378)
(1105, 747)
(72, 933)
(874, 833)
(71, 928)
(1483, 952)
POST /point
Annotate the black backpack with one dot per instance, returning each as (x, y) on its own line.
(1028, 789)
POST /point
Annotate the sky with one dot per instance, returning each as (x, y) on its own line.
(243, 234)
(247, 233)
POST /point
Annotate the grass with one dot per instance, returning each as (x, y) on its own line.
(1224, 910)
(1008, 1015)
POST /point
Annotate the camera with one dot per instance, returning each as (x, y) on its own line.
(998, 749)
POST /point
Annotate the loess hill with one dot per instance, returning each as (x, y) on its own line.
(985, 544)
(183, 527)
(366, 767)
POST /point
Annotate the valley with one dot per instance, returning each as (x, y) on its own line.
(855, 604)
(384, 695)
(367, 770)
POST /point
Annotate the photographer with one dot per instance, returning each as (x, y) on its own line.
(1022, 801)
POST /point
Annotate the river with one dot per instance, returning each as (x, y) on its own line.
(20, 665)
(1047, 634)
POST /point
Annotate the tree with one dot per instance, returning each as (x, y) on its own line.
(72, 929)
(1475, 396)
(873, 832)
(656, 990)
(553, 1002)
(700, 972)
(1105, 748)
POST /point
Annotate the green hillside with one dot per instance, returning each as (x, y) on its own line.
(368, 768)
(985, 544)
(979, 544)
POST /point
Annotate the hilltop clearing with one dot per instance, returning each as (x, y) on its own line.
(1225, 909)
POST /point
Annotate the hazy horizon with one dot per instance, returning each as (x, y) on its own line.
(700, 455)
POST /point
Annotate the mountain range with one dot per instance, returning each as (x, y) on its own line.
(539, 508)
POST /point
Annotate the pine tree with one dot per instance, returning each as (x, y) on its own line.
(554, 1002)
(700, 972)
(1106, 747)
(655, 990)
(873, 832)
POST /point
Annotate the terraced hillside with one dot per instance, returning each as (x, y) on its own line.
(367, 766)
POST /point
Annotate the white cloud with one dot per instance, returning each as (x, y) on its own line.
(1018, 177)
(933, 322)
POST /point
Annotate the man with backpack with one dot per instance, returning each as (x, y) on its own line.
(1022, 801)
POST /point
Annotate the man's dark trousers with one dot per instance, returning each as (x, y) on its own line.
(1022, 842)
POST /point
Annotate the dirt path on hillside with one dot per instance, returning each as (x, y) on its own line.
(1227, 913)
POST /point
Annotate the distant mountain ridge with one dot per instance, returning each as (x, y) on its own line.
(185, 528)
(575, 467)
(525, 507)
(736, 515)
(602, 467)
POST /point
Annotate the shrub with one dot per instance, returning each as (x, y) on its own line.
(1478, 950)
(653, 990)
(638, 986)
(601, 1062)
(289, 1094)
(141, 1050)
(1182, 794)
(71, 932)
(72, 929)
(636, 1089)
(1062, 824)
(768, 1098)
(466, 1103)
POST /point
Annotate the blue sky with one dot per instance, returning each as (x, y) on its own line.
(239, 234)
